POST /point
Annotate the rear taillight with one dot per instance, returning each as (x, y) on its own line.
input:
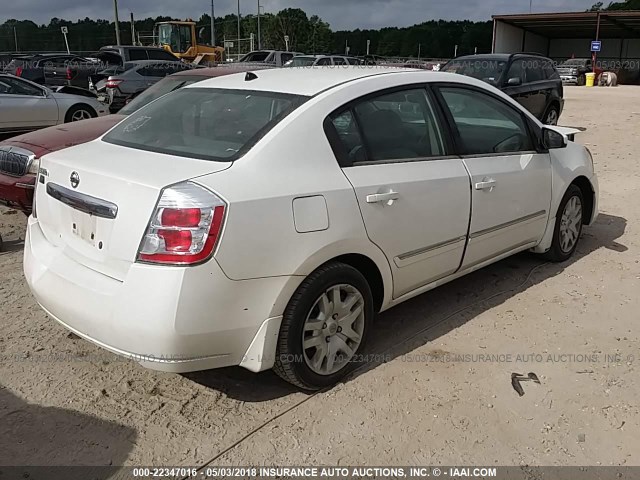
(69, 74)
(185, 226)
(113, 83)
(19, 72)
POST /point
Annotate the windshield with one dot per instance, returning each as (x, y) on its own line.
(576, 62)
(488, 70)
(204, 123)
(164, 86)
(301, 62)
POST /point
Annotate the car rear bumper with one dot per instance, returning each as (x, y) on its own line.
(166, 318)
(17, 192)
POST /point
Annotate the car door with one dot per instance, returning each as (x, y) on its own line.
(510, 179)
(414, 197)
(515, 85)
(24, 105)
(539, 86)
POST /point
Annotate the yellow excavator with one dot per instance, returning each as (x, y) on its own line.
(180, 39)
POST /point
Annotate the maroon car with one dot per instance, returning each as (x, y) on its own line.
(20, 156)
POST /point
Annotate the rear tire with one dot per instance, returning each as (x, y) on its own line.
(79, 112)
(568, 228)
(324, 327)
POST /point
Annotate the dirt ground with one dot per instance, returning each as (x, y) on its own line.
(441, 393)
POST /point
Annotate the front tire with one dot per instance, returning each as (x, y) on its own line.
(324, 327)
(79, 112)
(568, 228)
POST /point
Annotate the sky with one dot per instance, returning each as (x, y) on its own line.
(341, 14)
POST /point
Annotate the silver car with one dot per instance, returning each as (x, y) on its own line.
(26, 106)
(135, 77)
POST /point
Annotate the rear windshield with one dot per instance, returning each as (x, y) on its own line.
(486, 69)
(164, 86)
(256, 57)
(204, 123)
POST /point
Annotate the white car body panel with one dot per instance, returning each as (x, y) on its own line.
(227, 311)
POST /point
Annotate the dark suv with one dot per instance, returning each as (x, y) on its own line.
(530, 79)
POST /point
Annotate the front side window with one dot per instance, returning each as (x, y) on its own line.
(516, 70)
(204, 123)
(486, 125)
(394, 126)
(323, 61)
(486, 69)
(339, 61)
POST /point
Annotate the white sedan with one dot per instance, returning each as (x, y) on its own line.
(263, 219)
(27, 106)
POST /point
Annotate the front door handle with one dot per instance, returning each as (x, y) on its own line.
(383, 197)
(486, 184)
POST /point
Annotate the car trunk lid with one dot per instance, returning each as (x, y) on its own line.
(94, 201)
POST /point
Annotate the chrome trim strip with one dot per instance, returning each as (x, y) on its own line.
(82, 202)
(508, 224)
(420, 251)
(28, 186)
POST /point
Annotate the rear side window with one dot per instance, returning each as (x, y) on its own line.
(138, 54)
(394, 126)
(161, 55)
(204, 123)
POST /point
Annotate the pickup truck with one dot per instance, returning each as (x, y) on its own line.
(574, 70)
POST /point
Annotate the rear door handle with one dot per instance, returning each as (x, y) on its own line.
(486, 184)
(383, 197)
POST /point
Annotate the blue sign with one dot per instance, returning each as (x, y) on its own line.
(596, 46)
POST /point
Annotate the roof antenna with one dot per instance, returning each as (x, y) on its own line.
(250, 76)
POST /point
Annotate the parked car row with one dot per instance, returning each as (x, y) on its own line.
(158, 229)
(20, 156)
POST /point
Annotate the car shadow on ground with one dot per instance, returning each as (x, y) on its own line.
(431, 315)
(9, 246)
(48, 436)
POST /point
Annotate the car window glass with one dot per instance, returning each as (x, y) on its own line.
(285, 57)
(350, 139)
(534, 70)
(516, 70)
(339, 61)
(324, 61)
(160, 55)
(399, 125)
(486, 125)
(205, 123)
(138, 54)
(549, 71)
(13, 86)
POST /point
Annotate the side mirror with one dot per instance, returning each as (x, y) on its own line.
(552, 139)
(514, 82)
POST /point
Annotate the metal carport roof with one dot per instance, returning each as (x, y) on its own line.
(615, 24)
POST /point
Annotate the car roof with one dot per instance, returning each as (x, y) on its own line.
(127, 47)
(307, 82)
(226, 69)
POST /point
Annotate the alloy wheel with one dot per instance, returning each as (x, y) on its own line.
(80, 115)
(570, 224)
